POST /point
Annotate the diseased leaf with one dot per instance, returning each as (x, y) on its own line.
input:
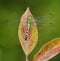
(48, 51)
(27, 32)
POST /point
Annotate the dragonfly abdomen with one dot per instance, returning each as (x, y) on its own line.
(26, 35)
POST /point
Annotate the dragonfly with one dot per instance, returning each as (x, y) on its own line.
(28, 26)
(30, 21)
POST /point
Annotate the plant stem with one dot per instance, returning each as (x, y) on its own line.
(27, 58)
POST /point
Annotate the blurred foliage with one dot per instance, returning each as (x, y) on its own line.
(10, 14)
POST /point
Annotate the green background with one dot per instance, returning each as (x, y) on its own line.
(47, 11)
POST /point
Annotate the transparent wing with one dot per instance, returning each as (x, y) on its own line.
(40, 20)
(43, 21)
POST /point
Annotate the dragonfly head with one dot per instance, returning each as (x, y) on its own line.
(29, 19)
